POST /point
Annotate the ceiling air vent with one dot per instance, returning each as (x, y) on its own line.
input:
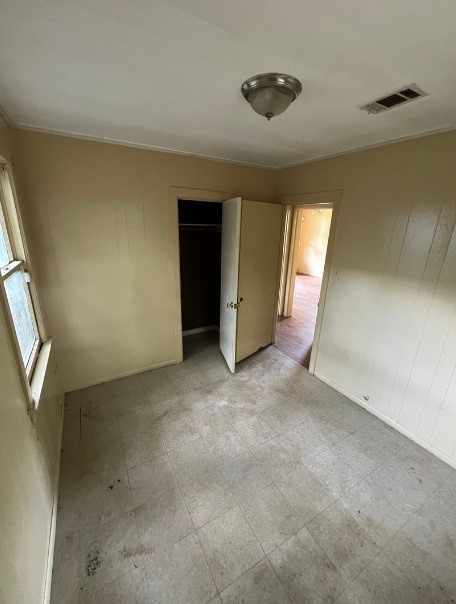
(400, 97)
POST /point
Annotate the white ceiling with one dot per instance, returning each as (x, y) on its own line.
(167, 74)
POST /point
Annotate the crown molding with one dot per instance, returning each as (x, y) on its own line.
(124, 143)
(385, 143)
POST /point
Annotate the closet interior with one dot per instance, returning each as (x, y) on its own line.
(200, 237)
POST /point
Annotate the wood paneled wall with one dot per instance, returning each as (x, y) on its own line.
(388, 336)
(98, 223)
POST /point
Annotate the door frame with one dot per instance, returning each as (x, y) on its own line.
(176, 194)
(287, 218)
(305, 201)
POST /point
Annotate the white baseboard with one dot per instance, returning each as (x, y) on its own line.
(191, 332)
(51, 543)
(449, 460)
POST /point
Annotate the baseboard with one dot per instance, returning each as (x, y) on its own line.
(449, 460)
(191, 332)
(118, 376)
(51, 543)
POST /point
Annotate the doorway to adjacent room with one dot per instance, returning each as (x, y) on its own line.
(302, 277)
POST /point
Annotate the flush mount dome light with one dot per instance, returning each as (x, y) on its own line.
(271, 94)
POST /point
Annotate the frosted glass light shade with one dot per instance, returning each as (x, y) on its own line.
(271, 101)
(271, 94)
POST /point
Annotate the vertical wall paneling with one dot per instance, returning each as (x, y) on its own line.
(388, 336)
(98, 218)
(102, 237)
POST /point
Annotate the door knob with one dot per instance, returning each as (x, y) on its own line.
(235, 304)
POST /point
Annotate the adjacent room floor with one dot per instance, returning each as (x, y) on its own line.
(294, 335)
(192, 485)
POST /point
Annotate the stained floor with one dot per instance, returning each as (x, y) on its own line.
(191, 485)
(295, 334)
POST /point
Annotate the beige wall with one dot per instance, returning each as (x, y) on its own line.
(29, 457)
(100, 230)
(97, 220)
(313, 241)
(101, 235)
(389, 324)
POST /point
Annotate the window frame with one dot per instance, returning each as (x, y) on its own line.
(19, 261)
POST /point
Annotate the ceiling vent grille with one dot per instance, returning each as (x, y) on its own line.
(403, 96)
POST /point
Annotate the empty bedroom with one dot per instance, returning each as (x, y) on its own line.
(227, 302)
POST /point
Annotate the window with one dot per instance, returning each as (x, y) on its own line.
(15, 280)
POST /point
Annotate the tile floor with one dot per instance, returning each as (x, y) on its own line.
(190, 485)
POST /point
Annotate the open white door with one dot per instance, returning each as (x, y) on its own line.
(251, 245)
(231, 233)
(259, 273)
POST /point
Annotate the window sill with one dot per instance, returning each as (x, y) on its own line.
(39, 375)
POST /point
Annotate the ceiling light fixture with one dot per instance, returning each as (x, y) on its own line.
(271, 94)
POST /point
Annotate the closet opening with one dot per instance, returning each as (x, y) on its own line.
(200, 239)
